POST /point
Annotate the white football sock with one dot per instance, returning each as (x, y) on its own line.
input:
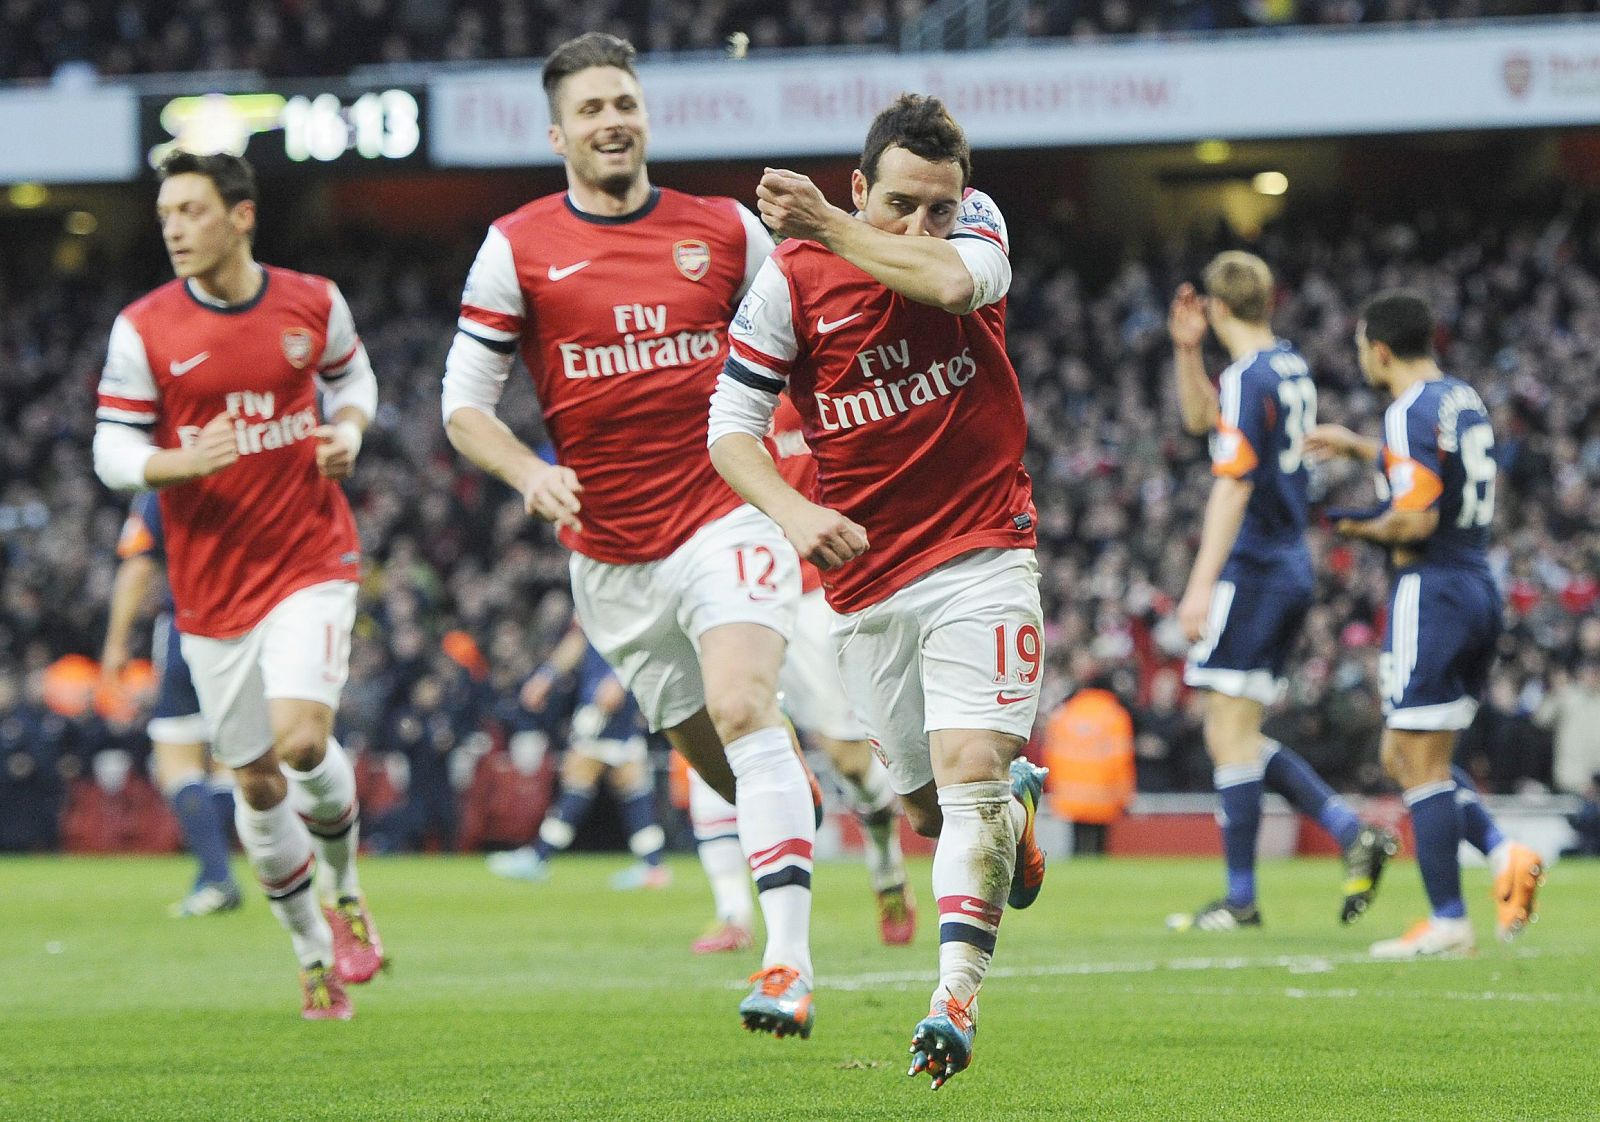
(777, 828)
(972, 868)
(279, 848)
(716, 831)
(325, 797)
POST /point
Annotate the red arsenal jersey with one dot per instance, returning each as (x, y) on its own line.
(240, 541)
(914, 414)
(622, 323)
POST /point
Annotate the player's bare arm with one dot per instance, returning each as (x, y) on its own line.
(822, 536)
(1197, 397)
(1392, 527)
(1326, 442)
(928, 270)
(1224, 515)
(129, 590)
(548, 491)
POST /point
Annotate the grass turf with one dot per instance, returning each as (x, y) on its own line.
(568, 1001)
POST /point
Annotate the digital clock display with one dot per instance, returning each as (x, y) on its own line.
(292, 127)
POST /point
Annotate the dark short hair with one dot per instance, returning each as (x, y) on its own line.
(594, 48)
(922, 126)
(1402, 320)
(233, 177)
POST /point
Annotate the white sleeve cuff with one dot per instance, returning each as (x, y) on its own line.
(120, 456)
(358, 387)
(474, 376)
(989, 268)
(736, 407)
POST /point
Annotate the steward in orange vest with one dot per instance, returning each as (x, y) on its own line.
(1088, 746)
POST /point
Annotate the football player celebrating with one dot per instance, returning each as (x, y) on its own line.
(1252, 584)
(619, 295)
(887, 329)
(210, 396)
(1436, 461)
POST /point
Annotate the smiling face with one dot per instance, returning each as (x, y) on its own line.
(910, 195)
(602, 128)
(200, 230)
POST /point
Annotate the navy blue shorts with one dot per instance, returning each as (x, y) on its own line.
(1438, 647)
(175, 719)
(1256, 614)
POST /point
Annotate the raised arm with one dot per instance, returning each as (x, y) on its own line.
(1197, 397)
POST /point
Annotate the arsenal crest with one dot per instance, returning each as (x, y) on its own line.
(297, 347)
(693, 258)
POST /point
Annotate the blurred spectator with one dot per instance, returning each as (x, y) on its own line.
(32, 740)
(1088, 747)
(1169, 748)
(1572, 711)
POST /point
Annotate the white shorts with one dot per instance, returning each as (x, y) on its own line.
(813, 693)
(300, 650)
(958, 648)
(646, 619)
(611, 753)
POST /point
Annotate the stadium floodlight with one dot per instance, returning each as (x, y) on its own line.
(1270, 183)
(28, 196)
(1213, 151)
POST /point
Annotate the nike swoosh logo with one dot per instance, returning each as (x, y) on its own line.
(1002, 699)
(826, 328)
(179, 369)
(974, 907)
(562, 274)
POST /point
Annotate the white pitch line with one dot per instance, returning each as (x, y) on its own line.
(1295, 964)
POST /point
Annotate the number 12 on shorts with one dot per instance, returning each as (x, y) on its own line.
(755, 566)
(1021, 643)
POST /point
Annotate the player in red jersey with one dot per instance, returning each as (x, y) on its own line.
(887, 329)
(209, 396)
(815, 700)
(619, 294)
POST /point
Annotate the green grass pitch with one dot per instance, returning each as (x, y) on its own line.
(568, 1001)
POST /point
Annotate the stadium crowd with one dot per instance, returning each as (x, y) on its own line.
(462, 595)
(300, 38)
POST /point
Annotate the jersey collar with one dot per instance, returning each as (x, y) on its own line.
(211, 305)
(614, 219)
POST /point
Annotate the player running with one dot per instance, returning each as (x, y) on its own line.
(1437, 470)
(887, 330)
(209, 395)
(196, 786)
(605, 740)
(1252, 584)
(815, 700)
(619, 295)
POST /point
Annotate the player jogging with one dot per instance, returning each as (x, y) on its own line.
(1252, 584)
(887, 330)
(199, 789)
(1436, 463)
(605, 740)
(619, 294)
(209, 395)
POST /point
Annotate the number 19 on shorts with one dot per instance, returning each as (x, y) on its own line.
(1017, 650)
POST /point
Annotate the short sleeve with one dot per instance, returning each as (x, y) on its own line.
(1411, 458)
(1242, 421)
(762, 344)
(127, 393)
(492, 307)
(343, 342)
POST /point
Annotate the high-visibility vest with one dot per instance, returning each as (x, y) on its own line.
(1088, 746)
